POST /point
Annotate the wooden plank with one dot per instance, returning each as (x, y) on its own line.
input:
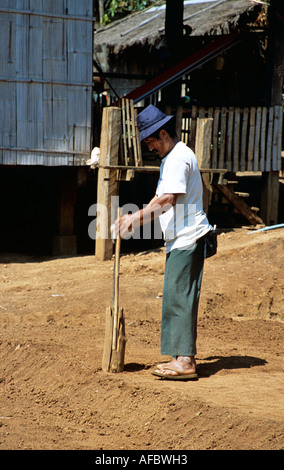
(229, 139)
(251, 139)
(203, 141)
(244, 132)
(203, 155)
(263, 139)
(236, 143)
(215, 138)
(269, 137)
(156, 168)
(223, 137)
(279, 162)
(256, 150)
(275, 139)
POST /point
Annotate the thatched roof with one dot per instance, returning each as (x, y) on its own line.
(211, 17)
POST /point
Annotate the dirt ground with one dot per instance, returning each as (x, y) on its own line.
(54, 394)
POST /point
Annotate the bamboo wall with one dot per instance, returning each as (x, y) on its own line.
(243, 139)
(45, 81)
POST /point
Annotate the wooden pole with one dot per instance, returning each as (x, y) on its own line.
(203, 155)
(275, 64)
(115, 340)
(107, 182)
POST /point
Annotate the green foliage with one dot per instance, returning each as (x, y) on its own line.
(115, 9)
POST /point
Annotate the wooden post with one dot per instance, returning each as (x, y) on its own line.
(107, 182)
(174, 40)
(275, 63)
(270, 197)
(65, 242)
(203, 155)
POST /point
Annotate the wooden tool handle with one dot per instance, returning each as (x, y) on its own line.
(116, 287)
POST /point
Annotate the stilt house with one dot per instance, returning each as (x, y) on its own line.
(222, 76)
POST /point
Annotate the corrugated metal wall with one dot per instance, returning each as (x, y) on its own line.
(45, 81)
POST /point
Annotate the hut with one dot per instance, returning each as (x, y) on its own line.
(227, 64)
(46, 122)
(142, 35)
(58, 66)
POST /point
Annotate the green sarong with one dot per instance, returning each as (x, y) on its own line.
(182, 284)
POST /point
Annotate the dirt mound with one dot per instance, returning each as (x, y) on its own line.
(55, 396)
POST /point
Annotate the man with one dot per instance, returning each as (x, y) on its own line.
(178, 203)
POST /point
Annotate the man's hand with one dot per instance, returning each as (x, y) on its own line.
(127, 224)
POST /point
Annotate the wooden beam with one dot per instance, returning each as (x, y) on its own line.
(270, 197)
(239, 204)
(107, 180)
(145, 169)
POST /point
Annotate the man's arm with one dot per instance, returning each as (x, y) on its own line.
(156, 207)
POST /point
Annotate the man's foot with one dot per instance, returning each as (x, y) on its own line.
(184, 367)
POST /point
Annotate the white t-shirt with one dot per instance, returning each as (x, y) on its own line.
(183, 224)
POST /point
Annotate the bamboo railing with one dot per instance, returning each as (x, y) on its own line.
(243, 139)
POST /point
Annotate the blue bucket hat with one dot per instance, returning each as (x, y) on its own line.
(150, 120)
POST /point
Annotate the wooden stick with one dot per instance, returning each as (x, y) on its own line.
(116, 289)
(124, 132)
(128, 132)
(133, 133)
